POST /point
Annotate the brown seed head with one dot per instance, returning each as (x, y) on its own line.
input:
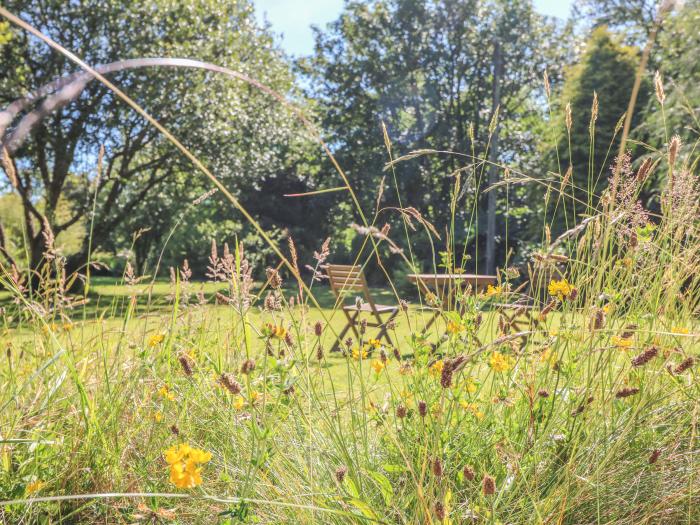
(439, 510)
(437, 468)
(685, 365)
(422, 408)
(247, 366)
(488, 485)
(318, 328)
(468, 473)
(646, 356)
(626, 392)
(654, 456)
(273, 277)
(659, 88)
(229, 382)
(186, 363)
(543, 393)
(340, 473)
(401, 411)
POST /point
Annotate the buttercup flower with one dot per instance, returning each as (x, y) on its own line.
(34, 487)
(500, 362)
(560, 289)
(493, 290)
(166, 393)
(623, 343)
(155, 340)
(378, 366)
(436, 368)
(454, 328)
(357, 354)
(184, 461)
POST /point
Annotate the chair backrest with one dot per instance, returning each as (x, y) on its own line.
(346, 279)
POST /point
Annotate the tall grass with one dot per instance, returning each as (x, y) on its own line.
(567, 393)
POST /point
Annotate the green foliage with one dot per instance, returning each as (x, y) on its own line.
(425, 70)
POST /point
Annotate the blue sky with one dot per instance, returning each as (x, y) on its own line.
(293, 18)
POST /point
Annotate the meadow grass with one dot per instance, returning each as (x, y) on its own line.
(147, 406)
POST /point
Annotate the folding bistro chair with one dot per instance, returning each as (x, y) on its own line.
(345, 280)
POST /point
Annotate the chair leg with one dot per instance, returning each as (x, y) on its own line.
(383, 332)
(350, 325)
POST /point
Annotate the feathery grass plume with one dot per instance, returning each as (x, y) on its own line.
(293, 254)
(274, 278)
(654, 456)
(567, 117)
(673, 146)
(687, 363)
(439, 510)
(325, 251)
(187, 364)
(565, 179)
(247, 366)
(340, 473)
(548, 308)
(626, 392)
(401, 411)
(488, 485)
(594, 114)
(204, 196)
(229, 382)
(644, 171)
(468, 473)
(437, 468)
(646, 356)
(659, 87)
(272, 302)
(547, 88)
(9, 168)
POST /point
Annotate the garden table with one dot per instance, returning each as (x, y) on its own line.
(443, 286)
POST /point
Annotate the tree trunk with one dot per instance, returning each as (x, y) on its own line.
(493, 158)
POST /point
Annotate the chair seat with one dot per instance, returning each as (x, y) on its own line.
(368, 308)
(514, 306)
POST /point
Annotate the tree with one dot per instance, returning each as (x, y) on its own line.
(598, 85)
(241, 133)
(425, 69)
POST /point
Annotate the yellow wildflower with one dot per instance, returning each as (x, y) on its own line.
(238, 403)
(158, 416)
(500, 362)
(254, 396)
(378, 366)
(166, 393)
(436, 368)
(493, 290)
(356, 354)
(155, 340)
(470, 386)
(623, 343)
(549, 357)
(275, 331)
(680, 330)
(184, 460)
(560, 289)
(454, 328)
(473, 408)
(608, 308)
(376, 343)
(67, 327)
(34, 487)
